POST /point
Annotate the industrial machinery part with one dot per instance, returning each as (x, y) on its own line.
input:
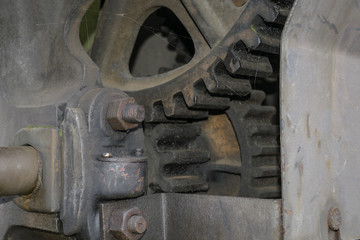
(116, 142)
(87, 131)
(171, 216)
(234, 46)
(319, 116)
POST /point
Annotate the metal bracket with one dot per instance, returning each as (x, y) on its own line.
(190, 216)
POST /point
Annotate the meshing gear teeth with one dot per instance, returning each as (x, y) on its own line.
(195, 86)
(177, 152)
(257, 138)
(179, 160)
(218, 81)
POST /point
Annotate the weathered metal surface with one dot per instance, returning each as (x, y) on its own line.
(19, 170)
(44, 73)
(47, 196)
(43, 62)
(127, 224)
(17, 232)
(98, 163)
(183, 216)
(50, 71)
(43, 67)
(12, 215)
(320, 116)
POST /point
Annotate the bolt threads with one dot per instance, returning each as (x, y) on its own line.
(133, 113)
(137, 224)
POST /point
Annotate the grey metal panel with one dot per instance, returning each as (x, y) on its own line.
(320, 116)
(189, 216)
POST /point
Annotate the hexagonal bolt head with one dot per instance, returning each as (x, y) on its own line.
(128, 224)
(334, 218)
(124, 114)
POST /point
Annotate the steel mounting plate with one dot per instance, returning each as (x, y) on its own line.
(319, 116)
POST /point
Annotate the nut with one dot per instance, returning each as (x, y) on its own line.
(124, 114)
(334, 218)
(128, 224)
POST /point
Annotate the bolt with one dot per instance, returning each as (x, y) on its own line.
(127, 224)
(137, 224)
(124, 113)
(334, 218)
(133, 113)
(139, 152)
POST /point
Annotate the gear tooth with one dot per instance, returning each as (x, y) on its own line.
(229, 167)
(283, 14)
(176, 155)
(174, 136)
(250, 39)
(186, 183)
(268, 37)
(197, 96)
(273, 191)
(260, 161)
(175, 107)
(259, 113)
(284, 11)
(220, 82)
(155, 113)
(241, 62)
(257, 97)
(268, 10)
(266, 171)
(267, 150)
(263, 130)
(226, 85)
(169, 107)
(186, 156)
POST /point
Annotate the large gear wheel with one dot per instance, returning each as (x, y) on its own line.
(183, 106)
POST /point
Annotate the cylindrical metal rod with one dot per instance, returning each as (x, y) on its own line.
(19, 169)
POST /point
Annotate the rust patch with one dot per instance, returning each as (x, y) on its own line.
(301, 169)
(328, 166)
(141, 179)
(288, 212)
(138, 172)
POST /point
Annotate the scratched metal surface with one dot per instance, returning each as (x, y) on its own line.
(320, 118)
